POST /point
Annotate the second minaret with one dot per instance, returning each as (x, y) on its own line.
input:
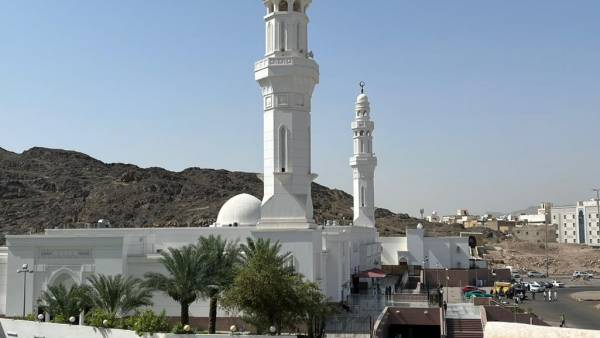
(363, 162)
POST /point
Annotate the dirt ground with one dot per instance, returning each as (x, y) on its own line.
(563, 258)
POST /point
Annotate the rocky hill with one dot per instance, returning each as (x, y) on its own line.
(48, 188)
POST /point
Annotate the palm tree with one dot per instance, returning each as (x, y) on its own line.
(264, 248)
(62, 303)
(219, 261)
(182, 282)
(118, 295)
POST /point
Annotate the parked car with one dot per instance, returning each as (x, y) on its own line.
(582, 274)
(536, 287)
(535, 274)
(477, 294)
(470, 288)
(558, 284)
(516, 278)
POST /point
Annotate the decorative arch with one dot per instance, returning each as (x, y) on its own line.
(297, 6)
(283, 6)
(284, 138)
(64, 276)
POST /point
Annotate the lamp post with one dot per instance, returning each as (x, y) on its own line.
(425, 261)
(447, 281)
(25, 270)
(597, 190)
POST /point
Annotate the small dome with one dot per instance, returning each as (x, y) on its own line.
(240, 210)
(362, 98)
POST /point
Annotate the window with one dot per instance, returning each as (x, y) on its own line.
(362, 196)
(297, 6)
(271, 8)
(270, 37)
(283, 6)
(282, 36)
(283, 148)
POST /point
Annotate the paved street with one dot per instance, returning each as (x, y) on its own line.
(580, 315)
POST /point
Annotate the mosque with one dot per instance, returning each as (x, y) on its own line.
(332, 256)
(327, 255)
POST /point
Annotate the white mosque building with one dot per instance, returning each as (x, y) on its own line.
(327, 255)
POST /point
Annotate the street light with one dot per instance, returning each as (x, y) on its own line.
(425, 261)
(25, 270)
(447, 280)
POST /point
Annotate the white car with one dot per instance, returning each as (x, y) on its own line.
(536, 287)
(558, 284)
(585, 275)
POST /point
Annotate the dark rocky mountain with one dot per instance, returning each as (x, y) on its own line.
(47, 188)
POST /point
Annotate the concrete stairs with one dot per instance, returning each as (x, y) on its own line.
(464, 328)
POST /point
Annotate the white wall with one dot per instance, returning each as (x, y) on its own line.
(513, 330)
(390, 246)
(26, 329)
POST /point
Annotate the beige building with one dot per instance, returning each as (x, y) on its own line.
(535, 233)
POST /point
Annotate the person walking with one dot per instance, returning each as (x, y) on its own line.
(562, 321)
(545, 296)
(555, 295)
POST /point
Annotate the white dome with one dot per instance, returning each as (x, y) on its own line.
(240, 210)
(362, 98)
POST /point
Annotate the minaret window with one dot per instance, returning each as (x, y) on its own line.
(283, 6)
(297, 6)
(283, 149)
(282, 36)
(270, 37)
(362, 196)
(362, 146)
(271, 8)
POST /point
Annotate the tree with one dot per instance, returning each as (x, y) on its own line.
(182, 282)
(118, 295)
(62, 303)
(219, 260)
(267, 290)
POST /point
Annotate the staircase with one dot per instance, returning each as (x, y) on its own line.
(464, 328)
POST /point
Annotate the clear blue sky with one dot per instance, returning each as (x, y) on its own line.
(485, 105)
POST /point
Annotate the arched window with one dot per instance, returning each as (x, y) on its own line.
(362, 196)
(283, 149)
(282, 36)
(297, 6)
(362, 133)
(297, 36)
(283, 6)
(362, 146)
(270, 37)
(271, 8)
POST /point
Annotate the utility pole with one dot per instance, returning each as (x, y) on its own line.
(597, 190)
(546, 249)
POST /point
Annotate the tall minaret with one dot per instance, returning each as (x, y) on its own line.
(287, 76)
(363, 162)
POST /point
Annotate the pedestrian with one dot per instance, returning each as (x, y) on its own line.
(562, 320)
(532, 295)
(545, 296)
(555, 295)
(445, 306)
(549, 295)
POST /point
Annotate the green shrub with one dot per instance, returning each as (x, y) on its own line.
(149, 322)
(30, 317)
(97, 317)
(178, 329)
(60, 319)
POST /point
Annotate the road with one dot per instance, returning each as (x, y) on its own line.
(581, 315)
